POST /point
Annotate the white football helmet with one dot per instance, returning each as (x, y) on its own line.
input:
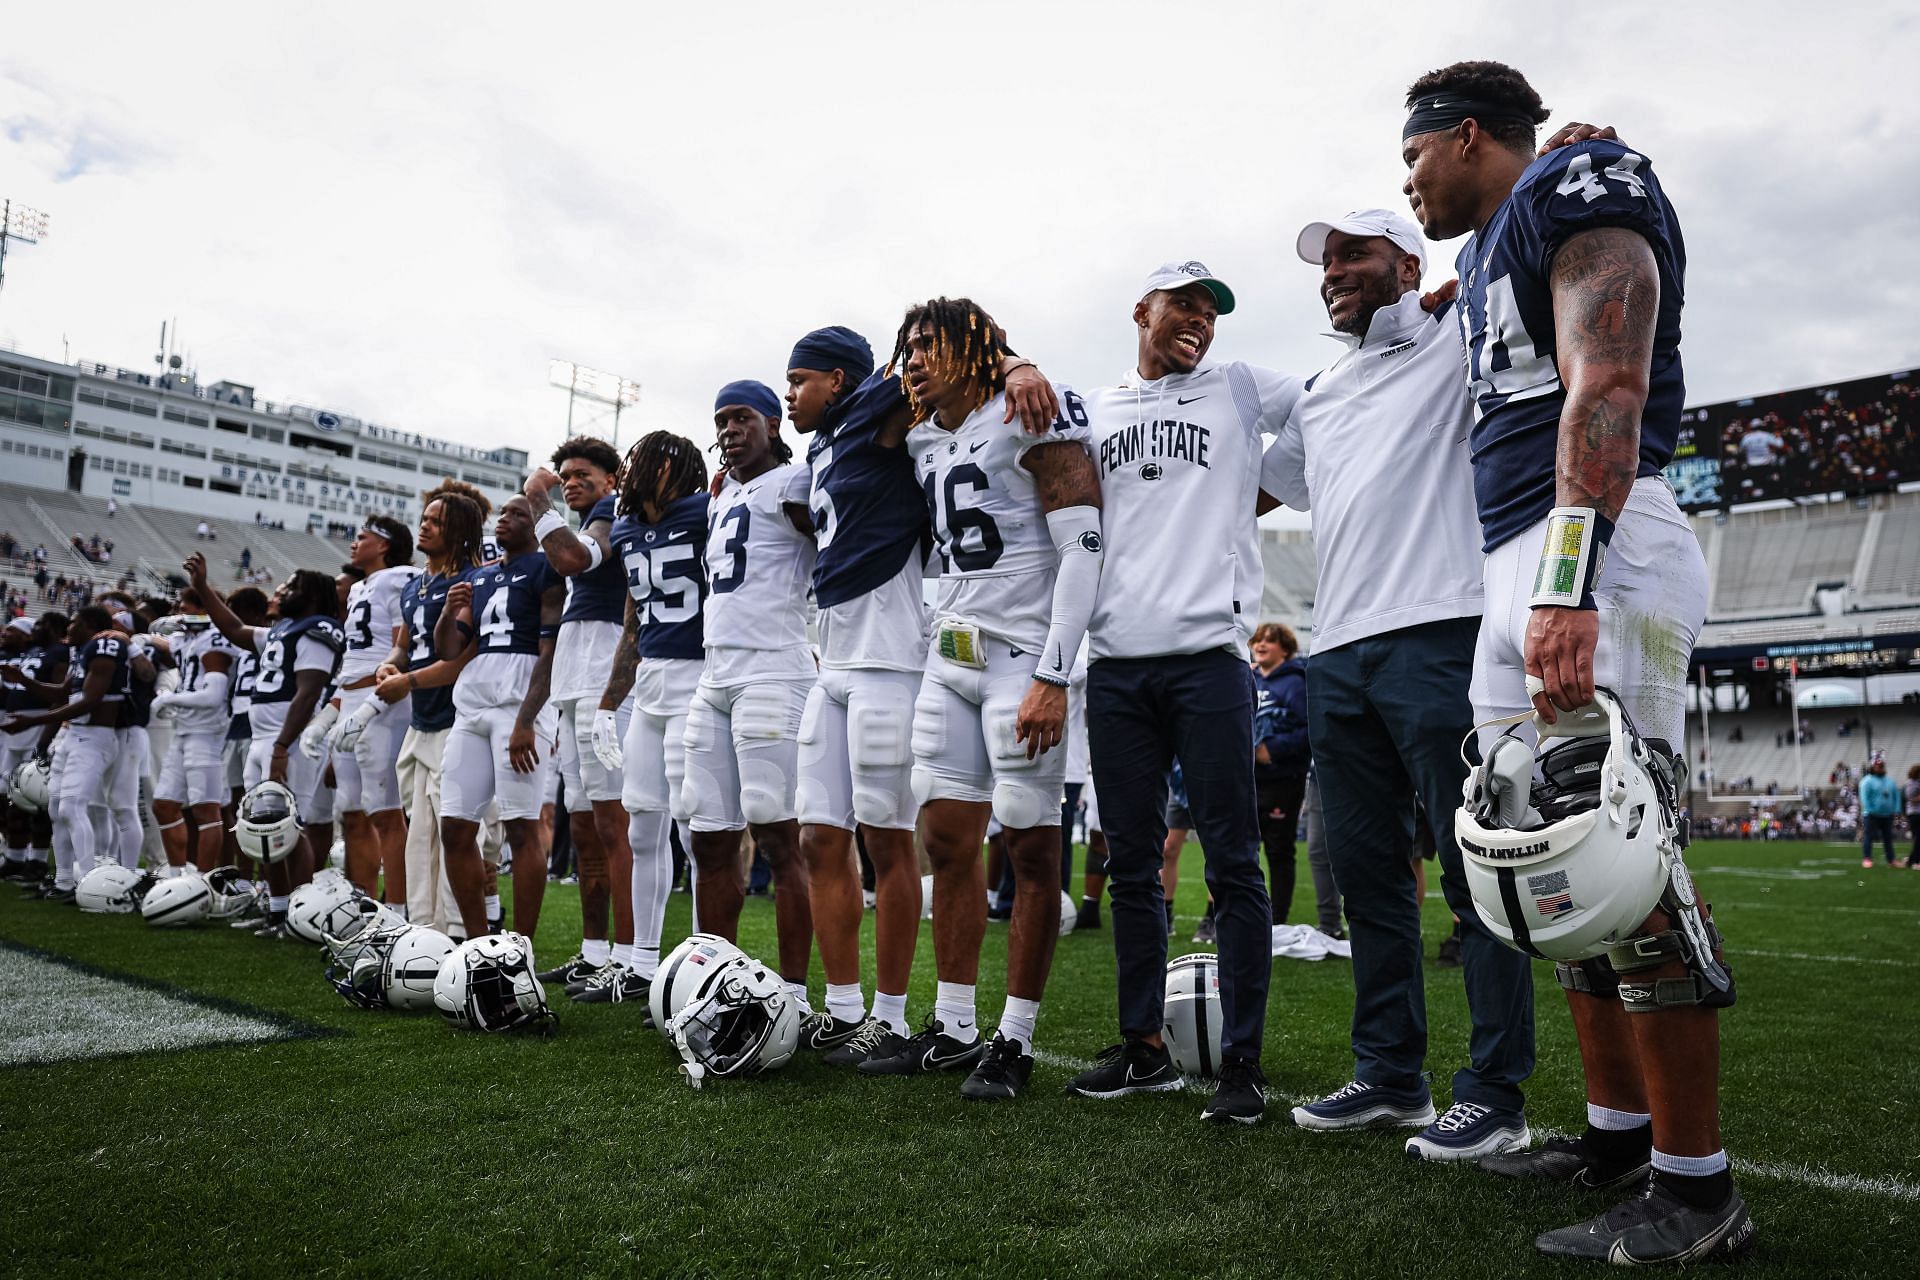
(744, 1022)
(355, 965)
(488, 984)
(267, 822)
(1069, 913)
(311, 905)
(31, 782)
(412, 965)
(331, 876)
(177, 902)
(111, 889)
(228, 901)
(1568, 847)
(686, 973)
(358, 915)
(1192, 1014)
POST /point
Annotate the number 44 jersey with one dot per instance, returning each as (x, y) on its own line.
(1507, 319)
(997, 557)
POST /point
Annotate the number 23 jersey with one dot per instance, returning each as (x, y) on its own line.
(997, 557)
(1507, 320)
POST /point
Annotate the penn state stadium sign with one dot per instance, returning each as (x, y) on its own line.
(326, 421)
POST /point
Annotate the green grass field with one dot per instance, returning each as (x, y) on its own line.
(383, 1144)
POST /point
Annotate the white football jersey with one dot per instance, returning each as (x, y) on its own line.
(373, 611)
(1179, 464)
(758, 565)
(997, 560)
(190, 654)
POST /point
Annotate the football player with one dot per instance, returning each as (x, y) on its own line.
(582, 655)
(452, 520)
(298, 654)
(659, 539)
(192, 778)
(1177, 445)
(1016, 517)
(500, 622)
(90, 705)
(249, 604)
(366, 737)
(1570, 290)
(743, 730)
(35, 651)
(856, 748)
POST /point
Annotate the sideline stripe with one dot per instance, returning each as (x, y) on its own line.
(1804, 908)
(1826, 959)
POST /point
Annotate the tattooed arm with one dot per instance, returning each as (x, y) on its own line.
(626, 660)
(1606, 301)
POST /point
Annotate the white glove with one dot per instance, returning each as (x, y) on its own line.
(162, 705)
(606, 740)
(348, 732)
(316, 738)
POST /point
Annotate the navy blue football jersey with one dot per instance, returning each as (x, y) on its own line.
(240, 696)
(421, 602)
(868, 512)
(35, 662)
(666, 572)
(506, 603)
(112, 647)
(1507, 320)
(598, 595)
(274, 681)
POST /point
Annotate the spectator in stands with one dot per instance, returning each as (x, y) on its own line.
(246, 559)
(8, 546)
(113, 508)
(40, 553)
(1910, 793)
(1879, 801)
(40, 578)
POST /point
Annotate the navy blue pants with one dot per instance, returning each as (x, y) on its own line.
(1387, 715)
(1141, 714)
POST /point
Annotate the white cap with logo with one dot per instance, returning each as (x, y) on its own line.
(1396, 227)
(1178, 275)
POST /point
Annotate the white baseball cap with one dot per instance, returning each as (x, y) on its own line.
(1178, 275)
(22, 625)
(1396, 227)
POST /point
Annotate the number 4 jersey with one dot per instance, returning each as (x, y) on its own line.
(758, 570)
(1507, 320)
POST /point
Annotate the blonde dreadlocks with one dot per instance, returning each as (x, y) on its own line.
(968, 349)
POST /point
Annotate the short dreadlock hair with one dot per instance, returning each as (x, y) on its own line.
(643, 481)
(461, 487)
(967, 347)
(1494, 82)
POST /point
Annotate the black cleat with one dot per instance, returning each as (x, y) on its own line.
(1002, 1073)
(1448, 957)
(1241, 1094)
(59, 897)
(1132, 1066)
(574, 969)
(612, 985)
(1565, 1160)
(1204, 933)
(930, 1049)
(1000, 912)
(1654, 1227)
(822, 1031)
(869, 1037)
(1089, 917)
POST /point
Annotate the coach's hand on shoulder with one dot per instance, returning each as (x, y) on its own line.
(1042, 719)
(1030, 398)
(1432, 302)
(1560, 645)
(1577, 132)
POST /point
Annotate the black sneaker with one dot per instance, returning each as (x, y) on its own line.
(1240, 1095)
(574, 986)
(1566, 1160)
(1089, 917)
(274, 928)
(14, 872)
(1002, 1073)
(574, 969)
(999, 912)
(929, 1049)
(614, 984)
(1204, 934)
(1448, 956)
(1132, 1066)
(59, 897)
(1657, 1226)
(869, 1038)
(822, 1031)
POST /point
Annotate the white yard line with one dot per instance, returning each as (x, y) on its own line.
(1825, 959)
(1804, 909)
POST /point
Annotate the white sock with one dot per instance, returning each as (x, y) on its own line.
(37, 854)
(798, 990)
(493, 907)
(398, 908)
(595, 951)
(845, 1002)
(646, 961)
(953, 1009)
(891, 1010)
(1607, 1118)
(277, 902)
(1690, 1166)
(16, 855)
(1016, 1021)
(623, 954)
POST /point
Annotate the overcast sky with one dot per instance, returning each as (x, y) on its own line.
(403, 212)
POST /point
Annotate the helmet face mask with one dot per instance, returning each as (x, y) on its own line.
(30, 785)
(111, 889)
(744, 1023)
(316, 904)
(488, 984)
(266, 823)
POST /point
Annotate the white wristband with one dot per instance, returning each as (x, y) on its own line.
(551, 522)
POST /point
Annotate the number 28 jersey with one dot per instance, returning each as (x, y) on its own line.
(997, 557)
(1507, 320)
(666, 576)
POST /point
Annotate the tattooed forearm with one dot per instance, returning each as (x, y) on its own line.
(1606, 302)
(626, 661)
(1064, 475)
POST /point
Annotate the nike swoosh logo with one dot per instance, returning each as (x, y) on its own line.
(975, 448)
(519, 577)
(1056, 662)
(1189, 399)
(676, 535)
(935, 1059)
(1130, 1078)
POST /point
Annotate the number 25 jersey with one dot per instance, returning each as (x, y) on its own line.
(665, 576)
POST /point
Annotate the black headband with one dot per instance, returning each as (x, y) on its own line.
(1445, 110)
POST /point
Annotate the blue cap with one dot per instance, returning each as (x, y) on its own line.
(835, 347)
(757, 396)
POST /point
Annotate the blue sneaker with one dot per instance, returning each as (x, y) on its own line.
(1356, 1105)
(1469, 1131)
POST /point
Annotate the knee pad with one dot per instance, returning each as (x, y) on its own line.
(1021, 805)
(1593, 977)
(923, 780)
(1651, 994)
(761, 803)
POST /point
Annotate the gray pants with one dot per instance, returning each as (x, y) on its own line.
(1326, 893)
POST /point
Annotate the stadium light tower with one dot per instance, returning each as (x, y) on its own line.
(18, 223)
(595, 386)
